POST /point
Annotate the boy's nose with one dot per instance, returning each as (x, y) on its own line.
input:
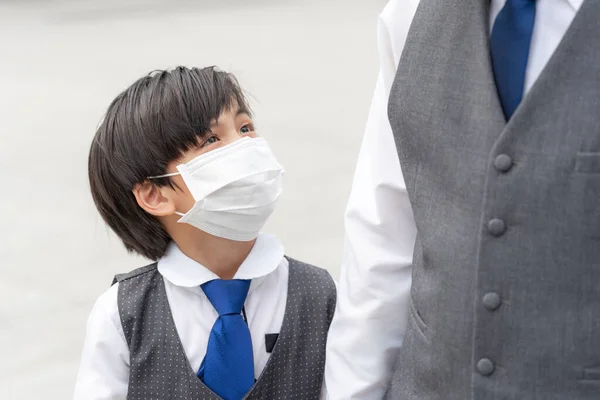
(233, 136)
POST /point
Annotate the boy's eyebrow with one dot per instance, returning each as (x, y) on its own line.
(240, 111)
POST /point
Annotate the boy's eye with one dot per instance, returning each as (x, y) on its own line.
(210, 140)
(246, 129)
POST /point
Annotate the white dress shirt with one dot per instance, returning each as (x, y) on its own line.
(373, 294)
(104, 370)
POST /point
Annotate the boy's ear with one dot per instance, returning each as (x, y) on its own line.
(154, 200)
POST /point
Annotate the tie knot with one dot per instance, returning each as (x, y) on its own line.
(227, 296)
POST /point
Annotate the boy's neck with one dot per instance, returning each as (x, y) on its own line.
(221, 256)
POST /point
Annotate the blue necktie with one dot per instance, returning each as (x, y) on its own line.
(228, 367)
(509, 48)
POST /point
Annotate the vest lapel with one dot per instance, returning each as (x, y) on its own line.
(566, 63)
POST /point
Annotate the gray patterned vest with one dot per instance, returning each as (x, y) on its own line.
(160, 370)
(506, 269)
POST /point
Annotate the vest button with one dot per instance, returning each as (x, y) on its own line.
(503, 163)
(496, 227)
(485, 366)
(491, 301)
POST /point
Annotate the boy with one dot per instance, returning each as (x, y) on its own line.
(177, 171)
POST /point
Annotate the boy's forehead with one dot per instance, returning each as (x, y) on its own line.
(233, 110)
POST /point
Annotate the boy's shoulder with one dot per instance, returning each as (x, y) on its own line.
(312, 291)
(306, 268)
(148, 269)
(307, 274)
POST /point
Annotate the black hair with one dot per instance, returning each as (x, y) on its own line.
(148, 126)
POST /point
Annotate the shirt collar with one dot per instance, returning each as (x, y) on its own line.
(576, 4)
(180, 270)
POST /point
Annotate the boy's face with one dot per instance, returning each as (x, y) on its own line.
(233, 124)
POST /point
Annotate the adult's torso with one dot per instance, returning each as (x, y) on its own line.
(506, 282)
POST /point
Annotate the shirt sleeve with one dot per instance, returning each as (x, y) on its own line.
(104, 370)
(372, 305)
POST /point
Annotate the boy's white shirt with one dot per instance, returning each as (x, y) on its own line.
(104, 370)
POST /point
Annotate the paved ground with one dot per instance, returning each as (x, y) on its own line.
(310, 66)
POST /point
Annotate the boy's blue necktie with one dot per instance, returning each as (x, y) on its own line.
(509, 48)
(228, 367)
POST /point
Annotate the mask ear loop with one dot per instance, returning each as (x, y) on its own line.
(164, 176)
(168, 176)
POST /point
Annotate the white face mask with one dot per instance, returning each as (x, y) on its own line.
(235, 187)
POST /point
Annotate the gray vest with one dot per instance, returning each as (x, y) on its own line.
(506, 269)
(159, 368)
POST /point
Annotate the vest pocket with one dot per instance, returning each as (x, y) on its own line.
(587, 163)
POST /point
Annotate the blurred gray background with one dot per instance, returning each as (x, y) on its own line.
(309, 65)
